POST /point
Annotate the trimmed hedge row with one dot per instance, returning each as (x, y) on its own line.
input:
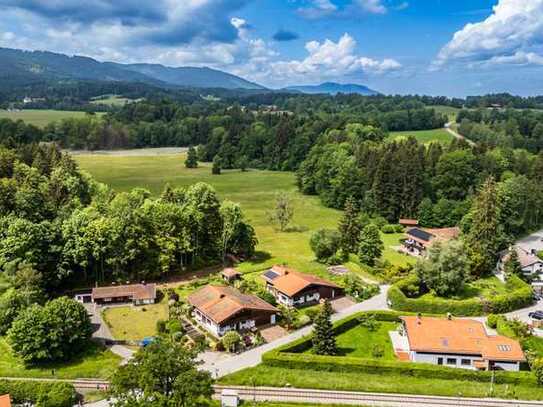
(520, 295)
(290, 357)
(41, 394)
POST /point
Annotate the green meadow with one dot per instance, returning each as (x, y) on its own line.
(423, 136)
(41, 118)
(255, 190)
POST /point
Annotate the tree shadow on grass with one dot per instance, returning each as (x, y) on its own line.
(260, 257)
(344, 351)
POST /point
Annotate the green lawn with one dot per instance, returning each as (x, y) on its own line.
(96, 362)
(134, 323)
(255, 190)
(41, 118)
(484, 288)
(423, 136)
(263, 375)
(112, 100)
(450, 111)
(360, 341)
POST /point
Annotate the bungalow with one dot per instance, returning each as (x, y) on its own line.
(221, 309)
(295, 289)
(417, 240)
(461, 343)
(138, 294)
(531, 265)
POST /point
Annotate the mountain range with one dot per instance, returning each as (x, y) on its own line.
(27, 67)
(333, 88)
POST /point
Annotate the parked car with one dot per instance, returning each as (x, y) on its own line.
(536, 315)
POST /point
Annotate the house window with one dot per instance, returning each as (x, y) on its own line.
(451, 361)
(466, 362)
(439, 361)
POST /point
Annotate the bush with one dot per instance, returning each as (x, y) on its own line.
(537, 367)
(174, 326)
(325, 244)
(42, 394)
(492, 321)
(161, 326)
(388, 229)
(399, 228)
(519, 295)
(377, 351)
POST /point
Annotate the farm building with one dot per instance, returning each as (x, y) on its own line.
(222, 309)
(295, 289)
(138, 294)
(417, 240)
(461, 343)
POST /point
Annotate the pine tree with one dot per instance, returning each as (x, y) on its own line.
(350, 227)
(371, 246)
(192, 158)
(324, 341)
(512, 265)
(217, 165)
(485, 235)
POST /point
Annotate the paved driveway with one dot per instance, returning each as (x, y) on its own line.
(532, 242)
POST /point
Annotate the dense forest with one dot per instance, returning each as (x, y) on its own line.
(69, 228)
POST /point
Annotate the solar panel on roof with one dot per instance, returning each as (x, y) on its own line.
(420, 234)
(271, 274)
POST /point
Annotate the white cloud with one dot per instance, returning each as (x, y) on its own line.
(372, 6)
(512, 34)
(325, 61)
(318, 9)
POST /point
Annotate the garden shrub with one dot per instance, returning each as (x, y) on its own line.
(388, 229)
(161, 326)
(492, 321)
(398, 228)
(174, 326)
(519, 295)
(42, 394)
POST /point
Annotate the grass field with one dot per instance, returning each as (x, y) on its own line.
(134, 323)
(450, 111)
(96, 362)
(486, 287)
(41, 118)
(112, 100)
(359, 342)
(254, 190)
(263, 375)
(423, 136)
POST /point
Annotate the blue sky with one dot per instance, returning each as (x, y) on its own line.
(438, 47)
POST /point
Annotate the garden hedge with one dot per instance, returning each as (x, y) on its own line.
(519, 295)
(290, 356)
(41, 394)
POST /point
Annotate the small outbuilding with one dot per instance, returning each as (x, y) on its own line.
(230, 274)
(409, 222)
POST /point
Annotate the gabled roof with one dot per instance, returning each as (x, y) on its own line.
(291, 282)
(408, 222)
(525, 258)
(220, 303)
(459, 336)
(426, 236)
(136, 291)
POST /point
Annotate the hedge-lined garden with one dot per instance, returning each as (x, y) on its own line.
(518, 295)
(40, 394)
(291, 356)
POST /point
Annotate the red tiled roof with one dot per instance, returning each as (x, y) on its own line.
(220, 303)
(408, 222)
(291, 282)
(459, 336)
(135, 291)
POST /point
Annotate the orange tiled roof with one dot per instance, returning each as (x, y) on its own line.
(5, 401)
(408, 222)
(291, 282)
(461, 336)
(136, 291)
(220, 303)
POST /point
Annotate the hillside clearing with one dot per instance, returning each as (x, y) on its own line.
(423, 136)
(41, 118)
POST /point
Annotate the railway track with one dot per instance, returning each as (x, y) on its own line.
(366, 399)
